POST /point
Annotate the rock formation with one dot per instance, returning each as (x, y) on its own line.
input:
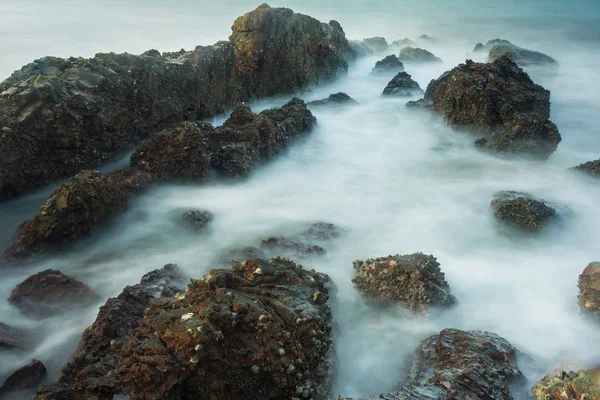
(522, 57)
(567, 385)
(522, 210)
(13, 338)
(388, 65)
(416, 55)
(402, 85)
(336, 99)
(591, 168)
(197, 220)
(29, 376)
(378, 44)
(589, 291)
(402, 43)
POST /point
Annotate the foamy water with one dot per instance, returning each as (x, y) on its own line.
(398, 181)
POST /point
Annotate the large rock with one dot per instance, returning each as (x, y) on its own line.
(591, 168)
(235, 334)
(402, 85)
(29, 376)
(13, 338)
(186, 152)
(388, 65)
(90, 373)
(500, 101)
(378, 44)
(522, 210)
(416, 55)
(567, 385)
(413, 281)
(51, 292)
(58, 116)
(335, 99)
(589, 291)
(522, 57)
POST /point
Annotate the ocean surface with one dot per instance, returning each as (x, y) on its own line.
(397, 181)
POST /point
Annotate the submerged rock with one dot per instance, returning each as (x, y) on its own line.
(580, 385)
(378, 44)
(421, 104)
(324, 231)
(62, 115)
(402, 43)
(522, 57)
(416, 55)
(589, 291)
(522, 210)
(430, 39)
(197, 220)
(51, 292)
(336, 99)
(280, 246)
(13, 338)
(29, 376)
(403, 86)
(500, 101)
(389, 64)
(591, 168)
(413, 281)
(91, 371)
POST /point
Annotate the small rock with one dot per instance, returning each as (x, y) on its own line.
(416, 55)
(402, 85)
(430, 39)
(591, 168)
(389, 65)
(522, 210)
(29, 376)
(589, 291)
(336, 99)
(197, 220)
(324, 231)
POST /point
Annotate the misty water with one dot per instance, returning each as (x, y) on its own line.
(396, 180)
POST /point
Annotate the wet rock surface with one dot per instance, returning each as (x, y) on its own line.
(390, 64)
(522, 210)
(29, 376)
(260, 331)
(402, 85)
(336, 99)
(522, 57)
(187, 152)
(591, 168)
(197, 220)
(499, 100)
(412, 281)
(90, 373)
(76, 113)
(378, 44)
(589, 291)
(417, 55)
(51, 292)
(13, 338)
(567, 385)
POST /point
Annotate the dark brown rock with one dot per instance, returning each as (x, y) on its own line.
(521, 210)
(589, 291)
(29, 376)
(388, 65)
(197, 220)
(416, 55)
(402, 85)
(51, 292)
(413, 281)
(500, 101)
(591, 168)
(336, 99)
(13, 338)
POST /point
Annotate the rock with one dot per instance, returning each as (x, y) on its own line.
(324, 231)
(336, 99)
(51, 292)
(589, 291)
(402, 86)
(235, 334)
(563, 366)
(480, 47)
(421, 104)
(62, 115)
(378, 44)
(280, 246)
(429, 39)
(500, 101)
(389, 64)
(197, 220)
(412, 281)
(360, 48)
(400, 44)
(90, 373)
(591, 168)
(426, 392)
(184, 152)
(29, 376)
(416, 55)
(13, 338)
(522, 210)
(581, 385)
(522, 57)
(240, 255)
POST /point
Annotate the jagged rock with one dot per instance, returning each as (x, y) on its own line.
(416, 55)
(412, 281)
(499, 100)
(522, 57)
(197, 220)
(29, 376)
(402, 85)
(563, 366)
(244, 141)
(589, 291)
(91, 371)
(360, 48)
(13, 338)
(51, 292)
(260, 331)
(567, 385)
(378, 44)
(61, 115)
(389, 64)
(591, 168)
(335, 99)
(324, 231)
(522, 210)
(280, 246)
(400, 44)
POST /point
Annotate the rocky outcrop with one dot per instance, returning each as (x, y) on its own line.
(480, 47)
(416, 55)
(522, 57)
(500, 101)
(360, 48)
(260, 331)
(336, 99)
(29, 376)
(430, 39)
(186, 152)
(13, 338)
(197, 220)
(280, 246)
(589, 291)
(378, 44)
(460, 365)
(567, 385)
(421, 104)
(90, 373)
(58, 116)
(388, 65)
(412, 281)
(402, 43)
(324, 231)
(520, 209)
(591, 168)
(51, 292)
(402, 85)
